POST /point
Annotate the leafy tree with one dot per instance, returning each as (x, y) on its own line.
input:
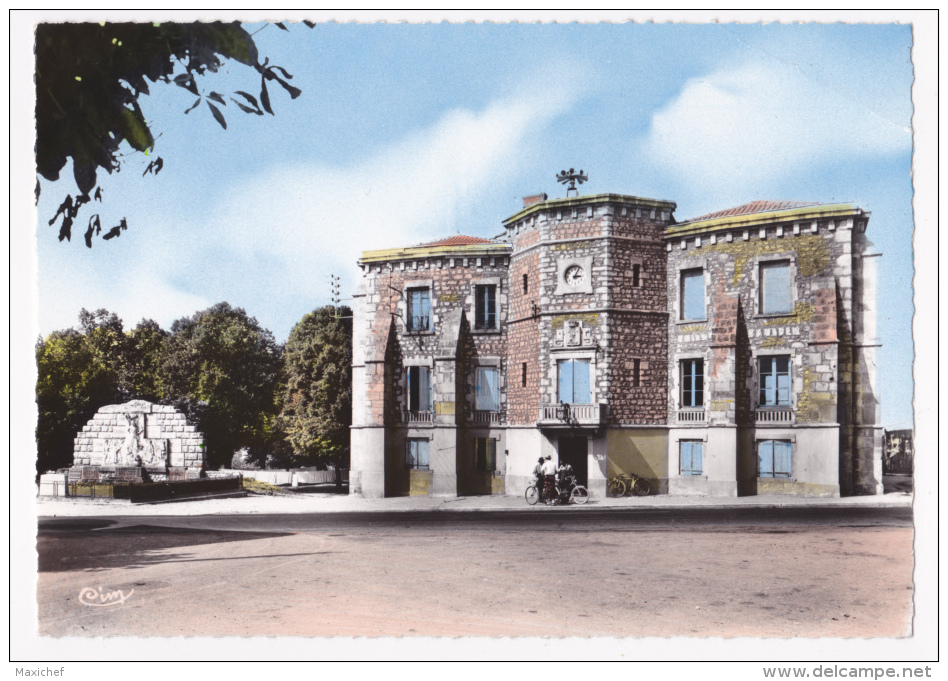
(73, 383)
(89, 322)
(81, 371)
(222, 368)
(89, 78)
(105, 337)
(145, 345)
(133, 357)
(316, 409)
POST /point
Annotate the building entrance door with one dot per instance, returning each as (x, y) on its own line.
(572, 450)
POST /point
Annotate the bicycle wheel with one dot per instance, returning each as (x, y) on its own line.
(532, 495)
(579, 495)
(616, 488)
(641, 487)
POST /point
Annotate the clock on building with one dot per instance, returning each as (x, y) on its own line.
(574, 275)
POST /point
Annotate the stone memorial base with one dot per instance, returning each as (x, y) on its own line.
(177, 474)
(128, 474)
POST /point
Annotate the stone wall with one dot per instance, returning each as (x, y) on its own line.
(637, 337)
(822, 335)
(636, 329)
(523, 336)
(451, 281)
(139, 433)
(524, 349)
(807, 334)
(619, 308)
(451, 348)
(622, 314)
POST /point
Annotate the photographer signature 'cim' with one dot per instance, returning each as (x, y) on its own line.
(100, 599)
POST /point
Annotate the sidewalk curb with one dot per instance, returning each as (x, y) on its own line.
(179, 500)
(895, 503)
(315, 505)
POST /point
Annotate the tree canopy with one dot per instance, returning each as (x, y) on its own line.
(89, 78)
(220, 367)
(317, 402)
(72, 384)
(224, 360)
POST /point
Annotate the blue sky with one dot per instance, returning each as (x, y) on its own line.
(405, 133)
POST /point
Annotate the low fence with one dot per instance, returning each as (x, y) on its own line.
(154, 491)
(226, 480)
(91, 490)
(53, 485)
(304, 476)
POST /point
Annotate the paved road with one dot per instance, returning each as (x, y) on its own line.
(640, 571)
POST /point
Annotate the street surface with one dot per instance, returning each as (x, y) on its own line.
(763, 572)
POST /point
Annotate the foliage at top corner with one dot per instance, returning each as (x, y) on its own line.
(89, 78)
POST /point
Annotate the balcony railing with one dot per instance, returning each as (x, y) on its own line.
(572, 415)
(773, 416)
(417, 417)
(691, 416)
(486, 417)
(419, 323)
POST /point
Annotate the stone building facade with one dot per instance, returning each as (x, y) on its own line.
(730, 354)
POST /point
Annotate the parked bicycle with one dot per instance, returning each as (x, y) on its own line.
(563, 493)
(628, 484)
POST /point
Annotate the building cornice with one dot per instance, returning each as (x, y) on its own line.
(580, 239)
(420, 252)
(590, 200)
(803, 214)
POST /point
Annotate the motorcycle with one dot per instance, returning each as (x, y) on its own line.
(565, 491)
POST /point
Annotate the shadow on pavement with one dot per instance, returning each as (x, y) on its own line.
(89, 545)
(319, 488)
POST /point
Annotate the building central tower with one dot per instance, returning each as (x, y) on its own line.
(587, 337)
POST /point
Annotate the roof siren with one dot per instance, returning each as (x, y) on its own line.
(572, 177)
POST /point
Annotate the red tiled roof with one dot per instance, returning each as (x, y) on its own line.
(457, 240)
(754, 207)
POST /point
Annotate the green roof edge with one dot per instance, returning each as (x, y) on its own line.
(577, 201)
(750, 219)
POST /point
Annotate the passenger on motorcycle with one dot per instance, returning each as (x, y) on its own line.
(565, 476)
(565, 480)
(538, 477)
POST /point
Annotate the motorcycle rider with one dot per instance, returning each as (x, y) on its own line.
(549, 479)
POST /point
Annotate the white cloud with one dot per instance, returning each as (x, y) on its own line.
(760, 123)
(267, 244)
(133, 295)
(308, 220)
